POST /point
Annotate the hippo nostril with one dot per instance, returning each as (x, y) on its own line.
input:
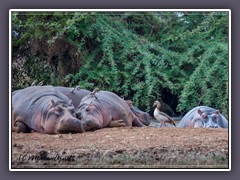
(74, 114)
(212, 126)
(79, 115)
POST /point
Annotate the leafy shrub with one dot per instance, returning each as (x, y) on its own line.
(138, 55)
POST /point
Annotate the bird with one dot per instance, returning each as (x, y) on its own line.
(34, 83)
(161, 116)
(94, 92)
(76, 88)
(41, 83)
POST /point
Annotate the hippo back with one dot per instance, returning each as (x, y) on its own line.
(187, 120)
(25, 100)
(76, 95)
(108, 99)
(31, 94)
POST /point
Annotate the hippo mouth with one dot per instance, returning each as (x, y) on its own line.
(70, 126)
(212, 126)
(216, 126)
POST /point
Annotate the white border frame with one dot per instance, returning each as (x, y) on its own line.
(116, 10)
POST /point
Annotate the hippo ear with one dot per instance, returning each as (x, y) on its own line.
(90, 107)
(128, 102)
(200, 112)
(51, 104)
(217, 112)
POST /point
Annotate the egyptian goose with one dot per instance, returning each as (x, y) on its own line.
(161, 116)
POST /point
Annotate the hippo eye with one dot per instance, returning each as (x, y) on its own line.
(204, 116)
(57, 110)
(79, 115)
(215, 118)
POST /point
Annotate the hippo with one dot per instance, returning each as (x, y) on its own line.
(205, 117)
(102, 109)
(74, 94)
(43, 109)
(144, 117)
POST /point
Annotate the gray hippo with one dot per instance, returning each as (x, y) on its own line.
(43, 109)
(203, 116)
(144, 117)
(74, 94)
(102, 109)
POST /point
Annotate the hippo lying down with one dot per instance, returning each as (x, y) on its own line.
(102, 109)
(43, 109)
(203, 116)
(77, 94)
(48, 109)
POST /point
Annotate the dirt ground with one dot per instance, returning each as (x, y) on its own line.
(125, 147)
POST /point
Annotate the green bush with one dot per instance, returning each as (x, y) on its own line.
(137, 55)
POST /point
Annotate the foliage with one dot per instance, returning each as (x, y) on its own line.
(208, 83)
(134, 54)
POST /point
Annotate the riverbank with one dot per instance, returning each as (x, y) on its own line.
(125, 147)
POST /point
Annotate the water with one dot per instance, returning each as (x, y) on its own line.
(155, 123)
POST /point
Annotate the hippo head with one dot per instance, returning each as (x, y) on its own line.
(129, 102)
(61, 118)
(91, 115)
(207, 120)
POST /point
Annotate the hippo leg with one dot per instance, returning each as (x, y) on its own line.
(132, 120)
(127, 119)
(21, 127)
(117, 123)
(137, 122)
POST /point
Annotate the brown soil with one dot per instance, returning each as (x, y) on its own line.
(125, 147)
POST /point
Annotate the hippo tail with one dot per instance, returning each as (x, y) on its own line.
(170, 120)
